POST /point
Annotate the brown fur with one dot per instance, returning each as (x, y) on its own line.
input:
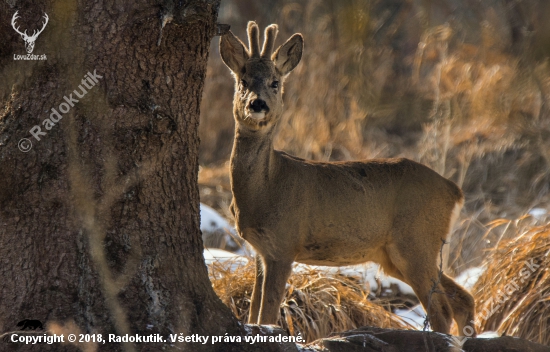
(392, 211)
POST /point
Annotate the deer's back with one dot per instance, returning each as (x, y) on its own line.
(333, 208)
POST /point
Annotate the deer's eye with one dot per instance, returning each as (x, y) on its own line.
(244, 83)
(275, 84)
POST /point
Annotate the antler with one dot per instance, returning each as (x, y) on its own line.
(253, 39)
(269, 40)
(13, 19)
(34, 35)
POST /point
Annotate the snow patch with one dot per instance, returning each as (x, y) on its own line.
(216, 254)
(212, 255)
(219, 233)
(370, 273)
(538, 213)
(469, 277)
(488, 335)
(268, 329)
(211, 221)
(414, 316)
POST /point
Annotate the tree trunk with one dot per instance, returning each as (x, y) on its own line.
(99, 221)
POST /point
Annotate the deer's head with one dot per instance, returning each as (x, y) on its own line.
(29, 39)
(259, 75)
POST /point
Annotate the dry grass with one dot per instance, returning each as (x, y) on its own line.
(512, 298)
(315, 304)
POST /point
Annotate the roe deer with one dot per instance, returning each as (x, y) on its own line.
(391, 211)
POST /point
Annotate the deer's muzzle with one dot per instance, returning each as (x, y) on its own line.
(258, 105)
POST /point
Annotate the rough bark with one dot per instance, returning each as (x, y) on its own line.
(99, 221)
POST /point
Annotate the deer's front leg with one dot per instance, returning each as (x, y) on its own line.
(257, 292)
(276, 274)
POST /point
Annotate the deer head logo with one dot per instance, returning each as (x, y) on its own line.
(29, 40)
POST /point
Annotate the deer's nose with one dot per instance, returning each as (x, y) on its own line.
(257, 105)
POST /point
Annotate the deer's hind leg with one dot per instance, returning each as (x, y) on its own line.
(419, 269)
(463, 306)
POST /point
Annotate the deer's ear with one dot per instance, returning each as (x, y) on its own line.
(288, 55)
(233, 52)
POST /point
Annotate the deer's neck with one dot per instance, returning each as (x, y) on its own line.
(253, 164)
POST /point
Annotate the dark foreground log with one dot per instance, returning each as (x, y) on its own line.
(504, 344)
(371, 339)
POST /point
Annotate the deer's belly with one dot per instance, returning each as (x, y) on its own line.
(332, 261)
(337, 254)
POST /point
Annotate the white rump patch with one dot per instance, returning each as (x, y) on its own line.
(446, 249)
(454, 216)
